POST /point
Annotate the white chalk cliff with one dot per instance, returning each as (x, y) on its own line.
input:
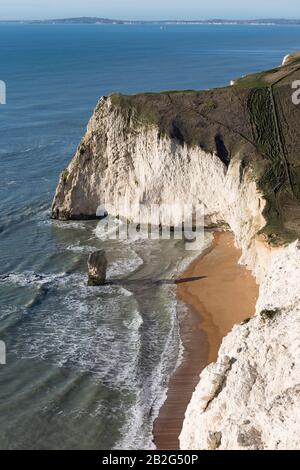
(249, 399)
(118, 159)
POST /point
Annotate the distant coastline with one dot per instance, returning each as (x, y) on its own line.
(215, 21)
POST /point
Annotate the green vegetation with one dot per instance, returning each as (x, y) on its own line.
(209, 106)
(271, 171)
(169, 92)
(255, 80)
(253, 121)
(259, 80)
(141, 115)
(65, 176)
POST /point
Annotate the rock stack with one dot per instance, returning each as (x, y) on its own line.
(97, 266)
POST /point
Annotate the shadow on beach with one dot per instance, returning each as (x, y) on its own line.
(135, 282)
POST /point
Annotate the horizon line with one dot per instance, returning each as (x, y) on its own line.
(200, 20)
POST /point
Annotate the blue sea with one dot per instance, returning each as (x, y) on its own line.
(88, 368)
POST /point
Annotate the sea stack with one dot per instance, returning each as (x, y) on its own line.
(97, 266)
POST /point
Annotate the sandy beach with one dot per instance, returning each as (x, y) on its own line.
(225, 295)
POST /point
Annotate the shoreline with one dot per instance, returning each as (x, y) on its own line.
(207, 311)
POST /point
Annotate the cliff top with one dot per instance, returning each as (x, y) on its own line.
(255, 120)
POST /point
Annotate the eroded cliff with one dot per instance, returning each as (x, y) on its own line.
(250, 399)
(235, 151)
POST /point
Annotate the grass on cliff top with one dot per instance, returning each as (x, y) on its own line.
(169, 92)
(254, 120)
(141, 115)
(271, 168)
(255, 80)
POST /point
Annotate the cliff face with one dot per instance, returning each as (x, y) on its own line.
(118, 158)
(153, 148)
(235, 151)
(250, 399)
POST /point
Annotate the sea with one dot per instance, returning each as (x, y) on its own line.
(88, 368)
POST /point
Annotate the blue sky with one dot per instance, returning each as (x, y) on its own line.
(153, 9)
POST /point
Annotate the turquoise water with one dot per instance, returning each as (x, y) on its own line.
(88, 368)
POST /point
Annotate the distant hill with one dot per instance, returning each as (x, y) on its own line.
(96, 20)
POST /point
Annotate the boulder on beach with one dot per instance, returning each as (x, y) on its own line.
(97, 266)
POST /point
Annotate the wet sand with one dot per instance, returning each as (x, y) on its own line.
(226, 296)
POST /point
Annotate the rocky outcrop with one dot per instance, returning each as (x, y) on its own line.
(97, 267)
(290, 58)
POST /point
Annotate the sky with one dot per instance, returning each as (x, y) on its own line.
(147, 10)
